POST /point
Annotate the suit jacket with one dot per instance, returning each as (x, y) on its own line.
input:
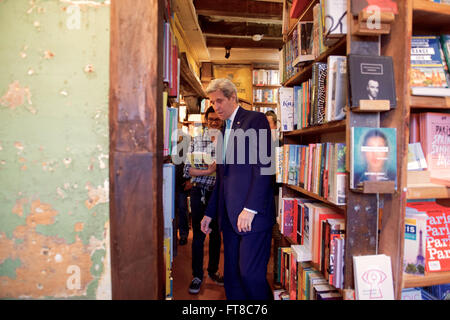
(240, 184)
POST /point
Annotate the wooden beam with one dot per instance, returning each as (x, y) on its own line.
(239, 8)
(243, 43)
(398, 45)
(209, 26)
(135, 161)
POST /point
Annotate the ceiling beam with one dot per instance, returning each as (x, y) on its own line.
(217, 41)
(238, 28)
(239, 8)
(242, 55)
(191, 29)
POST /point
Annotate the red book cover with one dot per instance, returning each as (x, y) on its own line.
(437, 253)
(293, 279)
(290, 218)
(435, 141)
(174, 70)
(302, 166)
(414, 133)
(297, 8)
(337, 230)
(321, 212)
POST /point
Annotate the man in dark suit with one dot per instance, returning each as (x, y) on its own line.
(242, 198)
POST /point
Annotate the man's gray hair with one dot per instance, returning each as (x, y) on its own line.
(225, 85)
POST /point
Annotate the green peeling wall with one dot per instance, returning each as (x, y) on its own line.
(54, 146)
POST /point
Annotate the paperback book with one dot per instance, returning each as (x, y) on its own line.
(373, 277)
(371, 78)
(373, 155)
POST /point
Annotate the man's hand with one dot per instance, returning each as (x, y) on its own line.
(244, 223)
(204, 225)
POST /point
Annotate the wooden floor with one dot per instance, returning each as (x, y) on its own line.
(182, 275)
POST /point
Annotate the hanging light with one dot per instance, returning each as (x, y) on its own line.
(227, 52)
(257, 37)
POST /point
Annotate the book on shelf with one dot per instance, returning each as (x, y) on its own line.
(435, 141)
(319, 46)
(265, 95)
(265, 77)
(297, 8)
(286, 106)
(373, 277)
(170, 126)
(318, 96)
(317, 167)
(320, 212)
(335, 20)
(416, 158)
(336, 230)
(428, 74)
(373, 155)
(336, 88)
(445, 47)
(414, 241)
(371, 78)
(370, 5)
(437, 238)
(304, 36)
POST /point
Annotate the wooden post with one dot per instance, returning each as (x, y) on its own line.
(135, 161)
(398, 45)
(361, 231)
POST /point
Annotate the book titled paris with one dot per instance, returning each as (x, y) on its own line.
(371, 78)
(373, 155)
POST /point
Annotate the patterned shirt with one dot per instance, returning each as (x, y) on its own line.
(202, 143)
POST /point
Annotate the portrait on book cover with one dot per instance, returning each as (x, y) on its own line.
(371, 78)
(374, 155)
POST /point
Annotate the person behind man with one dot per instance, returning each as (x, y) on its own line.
(182, 189)
(276, 234)
(203, 181)
(242, 198)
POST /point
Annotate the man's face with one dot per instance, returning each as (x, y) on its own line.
(223, 106)
(372, 86)
(213, 121)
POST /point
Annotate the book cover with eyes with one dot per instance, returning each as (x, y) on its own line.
(371, 78)
(373, 155)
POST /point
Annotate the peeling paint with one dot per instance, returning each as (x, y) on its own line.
(94, 4)
(54, 229)
(16, 96)
(97, 195)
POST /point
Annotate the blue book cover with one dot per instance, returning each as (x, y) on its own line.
(427, 68)
(373, 155)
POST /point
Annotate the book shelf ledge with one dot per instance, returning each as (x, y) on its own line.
(427, 191)
(331, 126)
(304, 74)
(430, 279)
(428, 102)
(430, 13)
(316, 196)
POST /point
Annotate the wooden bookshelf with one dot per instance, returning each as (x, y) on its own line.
(307, 15)
(430, 279)
(306, 72)
(427, 191)
(424, 102)
(324, 128)
(265, 104)
(431, 15)
(317, 197)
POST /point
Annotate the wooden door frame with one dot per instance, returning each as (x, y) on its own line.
(136, 145)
